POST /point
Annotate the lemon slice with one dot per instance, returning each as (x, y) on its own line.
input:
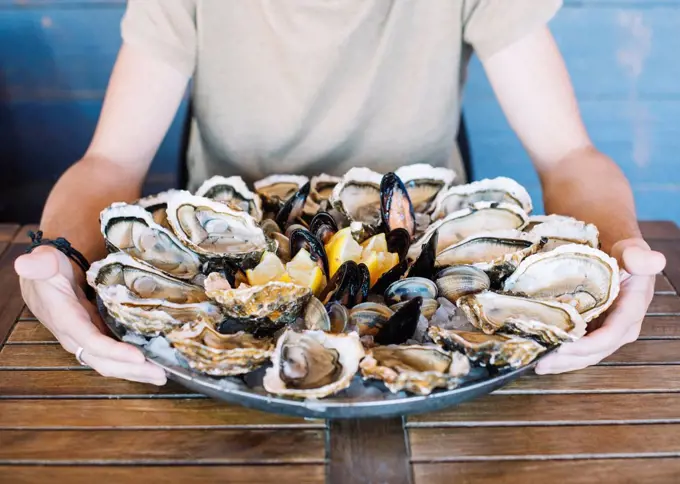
(377, 243)
(304, 271)
(378, 263)
(341, 248)
(269, 269)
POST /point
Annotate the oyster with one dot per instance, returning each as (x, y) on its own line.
(151, 317)
(157, 204)
(234, 193)
(488, 349)
(217, 354)
(564, 230)
(131, 229)
(456, 281)
(313, 364)
(357, 196)
(142, 279)
(499, 190)
(579, 275)
(549, 322)
(275, 190)
(214, 230)
(481, 217)
(418, 369)
(261, 310)
(498, 253)
(321, 190)
(424, 182)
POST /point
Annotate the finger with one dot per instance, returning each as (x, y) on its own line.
(101, 346)
(140, 372)
(558, 363)
(639, 261)
(38, 265)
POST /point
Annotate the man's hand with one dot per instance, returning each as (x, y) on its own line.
(621, 324)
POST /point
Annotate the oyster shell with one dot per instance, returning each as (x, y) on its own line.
(151, 317)
(142, 279)
(321, 189)
(233, 192)
(561, 230)
(488, 349)
(423, 183)
(313, 364)
(549, 322)
(214, 230)
(418, 369)
(499, 190)
(261, 310)
(357, 196)
(275, 190)
(575, 274)
(217, 354)
(157, 204)
(498, 253)
(481, 217)
(131, 229)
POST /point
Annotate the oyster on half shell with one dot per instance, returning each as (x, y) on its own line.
(157, 204)
(233, 192)
(581, 276)
(218, 354)
(561, 230)
(549, 322)
(418, 369)
(357, 196)
(313, 364)
(275, 190)
(423, 183)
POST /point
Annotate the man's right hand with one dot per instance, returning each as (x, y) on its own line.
(50, 290)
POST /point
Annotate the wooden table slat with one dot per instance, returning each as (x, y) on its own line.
(31, 332)
(645, 352)
(663, 285)
(21, 236)
(8, 231)
(671, 249)
(664, 304)
(215, 446)
(11, 302)
(659, 230)
(578, 441)
(591, 471)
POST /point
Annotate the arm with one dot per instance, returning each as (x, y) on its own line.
(534, 90)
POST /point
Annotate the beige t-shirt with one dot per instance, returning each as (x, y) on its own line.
(311, 86)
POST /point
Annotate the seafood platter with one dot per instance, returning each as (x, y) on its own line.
(363, 295)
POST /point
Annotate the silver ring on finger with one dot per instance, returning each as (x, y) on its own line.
(79, 356)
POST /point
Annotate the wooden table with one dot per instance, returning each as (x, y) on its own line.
(615, 422)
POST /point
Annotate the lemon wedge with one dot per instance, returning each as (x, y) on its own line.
(341, 248)
(304, 271)
(377, 243)
(269, 269)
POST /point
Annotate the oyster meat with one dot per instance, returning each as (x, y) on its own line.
(581, 276)
(548, 322)
(151, 317)
(233, 192)
(561, 230)
(313, 364)
(131, 229)
(499, 190)
(423, 183)
(217, 354)
(418, 369)
(275, 190)
(214, 230)
(357, 196)
(157, 204)
(143, 280)
(321, 189)
(496, 350)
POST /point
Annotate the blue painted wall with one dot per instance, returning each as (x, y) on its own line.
(623, 56)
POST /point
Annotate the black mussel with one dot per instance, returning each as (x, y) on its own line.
(398, 241)
(402, 325)
(323, 225)
(389, 277)
(365, 286)
(258, 327)
(424, 264)
(343, 286)
(303, 239)
(293, 227)
(227, 269)
(396, 208)
(293, 208)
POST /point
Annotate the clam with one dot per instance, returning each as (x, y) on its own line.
(131, 229)
(456, 281)
(357, 196)
(418, 369)
(560, 230)
(313, 364)
(409, 288)
(581, 276)
(423, 183)
(495, 350)
(216, 354)
(367, 318)
(157, 205)
(214, 230)
(142, 279)
(233, 192)
(395, 205)
(498, 190)
(548, 322)
(275, 190)
(332, 319)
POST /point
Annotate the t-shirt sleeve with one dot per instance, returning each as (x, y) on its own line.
(164, 28)
(490, 25)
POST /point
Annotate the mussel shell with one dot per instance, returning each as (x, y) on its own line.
(410, 288)
(343, 286)
(456, 281)
(293, 208)
(398, 242)
(301, 238)
(365, 286)
(395, 205)
(425, 263)
(389, 277)
(402, 325)
(323, 226)
(428, 308)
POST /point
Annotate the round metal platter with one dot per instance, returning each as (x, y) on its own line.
(368, 398)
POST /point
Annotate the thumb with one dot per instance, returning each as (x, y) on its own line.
(38, 265)
(636, 257)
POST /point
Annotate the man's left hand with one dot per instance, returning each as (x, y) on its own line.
(621, 324)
